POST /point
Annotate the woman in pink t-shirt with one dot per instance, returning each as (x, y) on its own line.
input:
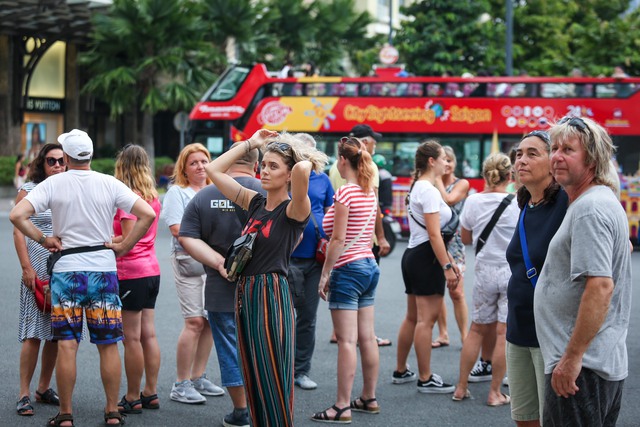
(354, 277)
(139, 280)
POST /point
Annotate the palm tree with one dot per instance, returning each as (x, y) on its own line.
(147, 56)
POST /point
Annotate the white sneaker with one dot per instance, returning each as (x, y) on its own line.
(206, 387)
(505, 381)
(184, 392)
(305, 383)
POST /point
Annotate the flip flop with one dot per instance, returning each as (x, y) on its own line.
(506, 401)
(439, 344)
(383, 342)
(466, 395)
(24, 406)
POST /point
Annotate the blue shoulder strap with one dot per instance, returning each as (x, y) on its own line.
(532, 273)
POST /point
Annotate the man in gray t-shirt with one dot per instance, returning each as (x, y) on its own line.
(210, 224)
(582, 300)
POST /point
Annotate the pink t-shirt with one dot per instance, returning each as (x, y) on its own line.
(141, 261)
(360, 206)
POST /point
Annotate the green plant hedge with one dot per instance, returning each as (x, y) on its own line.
(7, 167)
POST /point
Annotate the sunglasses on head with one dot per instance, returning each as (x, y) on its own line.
(51, 161)
(281, 146)
(543, 135)
(576, 122)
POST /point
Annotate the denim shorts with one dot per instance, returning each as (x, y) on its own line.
(223, 328)
(353, 286)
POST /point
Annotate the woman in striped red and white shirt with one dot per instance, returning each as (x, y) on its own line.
(354, 275)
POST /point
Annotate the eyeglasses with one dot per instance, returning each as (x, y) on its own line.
(543, 135)
(51, 161)
(576, 122)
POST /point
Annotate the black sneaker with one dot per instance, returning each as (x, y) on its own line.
(403, 377)
(481, 372)
(435, 385)
(238, 418)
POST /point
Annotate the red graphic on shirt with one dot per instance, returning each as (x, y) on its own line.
(254, 224)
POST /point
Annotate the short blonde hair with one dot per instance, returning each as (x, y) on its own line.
(179, 177)
(299, 151)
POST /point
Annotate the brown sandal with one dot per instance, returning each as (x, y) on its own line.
(323, 417)
(363, 406)
(115, 415)
(59, 419)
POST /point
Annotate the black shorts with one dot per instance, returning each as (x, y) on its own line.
(137, 294)
(421, 271)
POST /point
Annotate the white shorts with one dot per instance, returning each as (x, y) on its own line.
(190, 292)
(490, 294)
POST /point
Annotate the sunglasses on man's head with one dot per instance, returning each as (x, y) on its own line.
(576, 122)
(51, 161)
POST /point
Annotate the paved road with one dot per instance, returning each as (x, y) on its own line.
(401, 404)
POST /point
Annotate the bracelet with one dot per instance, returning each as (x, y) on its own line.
(248, 146)
(42, 239)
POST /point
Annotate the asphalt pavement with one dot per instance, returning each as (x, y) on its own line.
(401, 405)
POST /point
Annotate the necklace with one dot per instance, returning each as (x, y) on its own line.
(533, 204)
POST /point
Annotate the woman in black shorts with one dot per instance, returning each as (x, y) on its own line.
(426, 268)
(139, 280)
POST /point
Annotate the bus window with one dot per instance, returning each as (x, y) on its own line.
(228, 85)
(404, 158)
(350, 89)
(415, 89)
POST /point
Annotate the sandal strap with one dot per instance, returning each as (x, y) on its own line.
(365, 403)
(59, 419)
(339, 412)
(114, 415)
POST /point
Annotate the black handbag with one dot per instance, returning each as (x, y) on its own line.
(239, 254)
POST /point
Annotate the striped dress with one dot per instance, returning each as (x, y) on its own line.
(31, 322)
(265, 320)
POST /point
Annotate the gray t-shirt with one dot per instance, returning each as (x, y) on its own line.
(211, 217)
(173, 206)
(592, 241)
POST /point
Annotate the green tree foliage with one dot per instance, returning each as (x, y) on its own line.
(323, 32)
(550, 37)
(147, 56)
(444, 36)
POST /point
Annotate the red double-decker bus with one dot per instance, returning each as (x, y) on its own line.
(474, 116)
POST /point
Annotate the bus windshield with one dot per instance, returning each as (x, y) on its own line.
(227, 86)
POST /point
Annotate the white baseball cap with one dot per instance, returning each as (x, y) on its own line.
(76, 144)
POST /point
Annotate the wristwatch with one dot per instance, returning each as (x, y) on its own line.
(42, 239)
(447, 266)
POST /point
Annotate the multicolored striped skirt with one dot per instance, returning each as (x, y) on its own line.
(266, 344)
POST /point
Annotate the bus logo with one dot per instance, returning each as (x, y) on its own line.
(274, 113)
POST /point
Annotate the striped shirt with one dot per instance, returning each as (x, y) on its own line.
(361, 206)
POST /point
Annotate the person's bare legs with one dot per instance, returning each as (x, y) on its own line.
(28, 361)
(47, 365)
(345, 324)
(369, 354)
(488, 344)
(66, 375)
(188, 345)
(427, 309)
(405, 334)
(460, 308)
(205, 344)
(443, 333)
(469, 355)
(238, 397)
(133, 354)
(151, 352)
(498, 366)
(110, 372)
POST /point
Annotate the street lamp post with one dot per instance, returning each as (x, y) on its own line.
(509, 39)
